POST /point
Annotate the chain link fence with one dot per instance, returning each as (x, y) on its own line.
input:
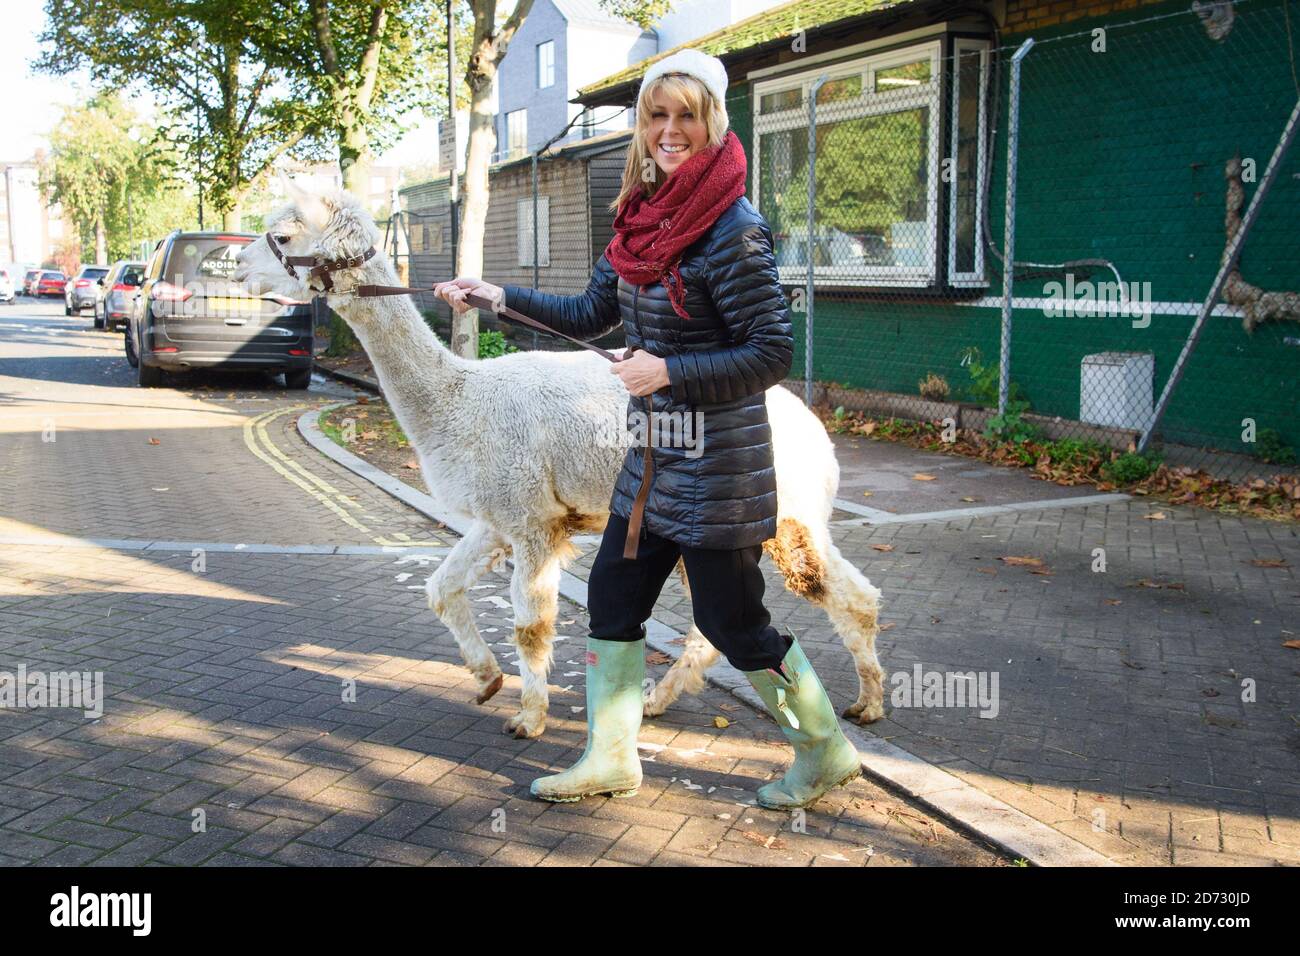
(1141, 142)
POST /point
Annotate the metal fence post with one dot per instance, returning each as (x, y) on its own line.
(1229, 263)
(808, 290)
(1009, 241)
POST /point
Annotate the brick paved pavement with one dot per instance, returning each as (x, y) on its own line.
(226, 695)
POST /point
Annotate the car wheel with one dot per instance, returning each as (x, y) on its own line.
(298, 378)
(132, 359)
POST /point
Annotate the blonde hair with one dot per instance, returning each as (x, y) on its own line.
(684, 89)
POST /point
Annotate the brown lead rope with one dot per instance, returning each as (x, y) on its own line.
(478, 302)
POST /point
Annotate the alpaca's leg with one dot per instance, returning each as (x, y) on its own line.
(686, 676)
(534, 591)
(480, 549)
(687, 673)
(814, 569)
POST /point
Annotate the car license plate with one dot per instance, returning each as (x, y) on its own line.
(222, 305)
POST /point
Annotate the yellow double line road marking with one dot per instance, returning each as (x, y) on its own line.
(258, 441)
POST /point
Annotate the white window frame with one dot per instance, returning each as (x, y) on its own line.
(869, 103)
(524, 230)
(512, 151)
(979, 277)
(546, 66)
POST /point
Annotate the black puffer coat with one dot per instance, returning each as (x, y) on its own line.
(721, 361)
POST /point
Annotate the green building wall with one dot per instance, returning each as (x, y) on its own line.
(1122, 157)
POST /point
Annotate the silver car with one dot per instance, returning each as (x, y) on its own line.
(117, 293)
(79, 293)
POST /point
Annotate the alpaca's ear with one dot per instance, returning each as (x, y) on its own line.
(292, 190)
(315, 210)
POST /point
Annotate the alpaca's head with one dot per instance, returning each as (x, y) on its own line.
(328, 225)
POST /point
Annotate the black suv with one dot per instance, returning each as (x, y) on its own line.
(190, 313)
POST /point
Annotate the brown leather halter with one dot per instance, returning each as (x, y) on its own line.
(318, 268)
(323, 269)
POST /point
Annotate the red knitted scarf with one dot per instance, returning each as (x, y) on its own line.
(650, 234)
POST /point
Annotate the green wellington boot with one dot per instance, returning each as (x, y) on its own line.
(609, 764)
(823, 756)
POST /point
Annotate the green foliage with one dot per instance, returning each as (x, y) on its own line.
(984, 380)
(220, 105)
(1011, 426)
(1130, 467)
(112, 186)
(493, 344)
(1075, 452)
(1270, 448)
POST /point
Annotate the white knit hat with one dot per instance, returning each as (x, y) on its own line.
(707, 69)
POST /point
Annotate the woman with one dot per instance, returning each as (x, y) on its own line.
(690, 275)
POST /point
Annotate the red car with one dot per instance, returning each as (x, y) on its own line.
(51, 283)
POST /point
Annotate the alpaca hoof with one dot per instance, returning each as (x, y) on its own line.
(488, 692)
(864, 713)
(518, 727)
(652, 707)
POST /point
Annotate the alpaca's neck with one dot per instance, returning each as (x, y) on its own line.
(421, 378)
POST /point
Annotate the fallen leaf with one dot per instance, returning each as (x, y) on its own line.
(1146, 583)
(987, 570)
(658, 657)
(369, 436)
(722, 723)
(1022, 562)
(969, 498)
(867, 494)
(882, 547)
(922, 476)
(1156, 516)
(1045, 571)
(1294, 645)
(885, 627)
(363, 399)
(1114, 602)
(769, 843)
(1270, 563)
(411, 464)
(154, 441)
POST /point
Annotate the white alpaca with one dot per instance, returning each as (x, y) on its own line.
(518, 448)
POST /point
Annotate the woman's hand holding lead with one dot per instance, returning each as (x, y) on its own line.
(641, 372)
(454, 292)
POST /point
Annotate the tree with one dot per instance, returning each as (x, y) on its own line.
(361, 65)
(487, 49)
(96, 166)
(227, 109)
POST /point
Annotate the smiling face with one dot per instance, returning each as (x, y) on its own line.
(674, 133)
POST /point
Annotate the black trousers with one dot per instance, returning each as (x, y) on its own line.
(726, 595)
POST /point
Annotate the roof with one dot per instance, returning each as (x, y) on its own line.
(588, 13)
(777, 23)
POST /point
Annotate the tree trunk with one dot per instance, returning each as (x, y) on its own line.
(232, 219)
(474, 199)
(354, 155)
(101, 241)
